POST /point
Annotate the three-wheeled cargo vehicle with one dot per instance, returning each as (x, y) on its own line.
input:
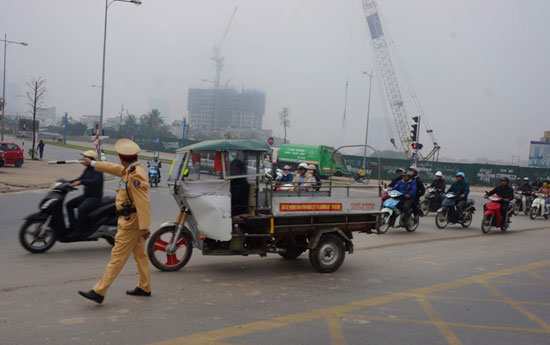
(225, 210)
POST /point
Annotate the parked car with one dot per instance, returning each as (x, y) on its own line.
(13, 154)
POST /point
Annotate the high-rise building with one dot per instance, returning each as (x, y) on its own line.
(46, 116)
(226, 108)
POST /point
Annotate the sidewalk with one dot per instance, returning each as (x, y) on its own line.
(35, 175)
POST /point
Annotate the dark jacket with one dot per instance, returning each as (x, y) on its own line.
(504, 192)
(394, 182)
(439, 185)
(525, 188)
(420, 188)
(460, 188)
(239, 188)
(93, 183)
(407, 188)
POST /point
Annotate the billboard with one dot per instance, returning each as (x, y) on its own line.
(25, 125)
(539, 154)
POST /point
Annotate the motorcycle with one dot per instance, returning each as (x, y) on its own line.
(391, 216)
(154, 176)
(360, 179)
(42, 229)
(538, 207)
(431, 202)
(492, 216)
(447, 212)
(522, 203)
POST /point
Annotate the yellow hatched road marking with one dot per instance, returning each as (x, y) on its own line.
(438, 322)
(213, 336)
(335, 329)
(540, 276)
(515, 305)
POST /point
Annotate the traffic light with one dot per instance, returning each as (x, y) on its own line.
(417, 146)
(415, 127)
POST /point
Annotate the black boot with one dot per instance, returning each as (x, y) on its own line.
(92, 295)
(138, 292)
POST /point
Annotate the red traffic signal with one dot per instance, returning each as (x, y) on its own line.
(417, 146)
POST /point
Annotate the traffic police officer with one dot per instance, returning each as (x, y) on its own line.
(134, 211)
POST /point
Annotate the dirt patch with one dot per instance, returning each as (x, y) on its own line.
(35, 175)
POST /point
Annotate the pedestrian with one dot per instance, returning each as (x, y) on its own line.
(134, 217)
(40, 148)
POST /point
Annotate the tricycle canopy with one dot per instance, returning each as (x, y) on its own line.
(229, 144)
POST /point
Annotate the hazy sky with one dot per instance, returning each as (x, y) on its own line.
(480, 68)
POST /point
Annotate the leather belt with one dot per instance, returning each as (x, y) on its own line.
(126, 212)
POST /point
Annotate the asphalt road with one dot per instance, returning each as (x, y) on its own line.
(452, 286)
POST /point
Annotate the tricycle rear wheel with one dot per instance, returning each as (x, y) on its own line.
(329, 254)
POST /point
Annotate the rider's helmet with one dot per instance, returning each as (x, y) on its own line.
(409, 174)
(461, 174)
(505, 179)
(413, 168)
(526, 179)
(439, 173)
(90, 154)
(399, 170)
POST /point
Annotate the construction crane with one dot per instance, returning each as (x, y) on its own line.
(217, 58)
(389, 78)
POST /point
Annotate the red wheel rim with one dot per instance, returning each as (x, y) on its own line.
(171, 259)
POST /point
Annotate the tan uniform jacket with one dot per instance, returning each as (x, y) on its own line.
(137, 183)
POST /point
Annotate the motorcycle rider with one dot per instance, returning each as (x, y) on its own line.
(439, 185)
(93, 192)
(155, 164)
(506, 193)
(408, 187)
(545, 191)
(420, 188)
(393, 183)
(461, 189)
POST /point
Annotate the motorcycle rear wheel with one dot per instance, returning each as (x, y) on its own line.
(467, 220)
(441, 220)
(486, 223)
(31, 228)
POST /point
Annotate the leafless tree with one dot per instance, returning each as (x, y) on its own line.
(284, 118)
(36, 95)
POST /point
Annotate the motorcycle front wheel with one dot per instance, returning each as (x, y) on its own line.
(441, 220)
(486, 223)
(33, 239)
(533, 213)
(385, 222)
(425, 207)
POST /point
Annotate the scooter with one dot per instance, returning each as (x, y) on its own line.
(522, 203)
(448, 214)
(42, 229)
(431, 202)
(538, 207)
(154, 176)
(391, 216)
(492, 216)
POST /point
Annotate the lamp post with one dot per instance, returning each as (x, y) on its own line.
(6, 42)
(370, 75)
(107, 4)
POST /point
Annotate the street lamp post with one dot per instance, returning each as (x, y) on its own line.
(368, 117)
(100, 127)
(6, 42)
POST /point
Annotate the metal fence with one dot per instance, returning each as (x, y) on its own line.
(476, 174)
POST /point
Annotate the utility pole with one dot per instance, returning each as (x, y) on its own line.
(65, 119)
(120, 122)
(368, 117)
(183, 137)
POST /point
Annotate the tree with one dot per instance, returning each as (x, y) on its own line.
(152, 123)
(130, 126)
(284, 117)
(35, 98)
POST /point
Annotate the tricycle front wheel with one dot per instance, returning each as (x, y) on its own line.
(329, 254)
(162, 256)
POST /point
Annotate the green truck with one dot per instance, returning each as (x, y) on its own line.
(319, 155)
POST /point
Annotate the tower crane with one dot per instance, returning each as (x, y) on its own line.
(217, 58)
(389, 79)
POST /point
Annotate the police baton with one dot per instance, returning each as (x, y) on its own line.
(71, 161)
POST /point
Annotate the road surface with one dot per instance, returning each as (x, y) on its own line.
(452, 286)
